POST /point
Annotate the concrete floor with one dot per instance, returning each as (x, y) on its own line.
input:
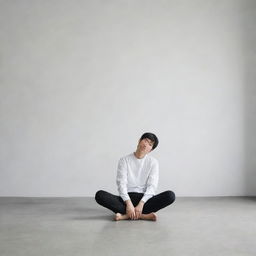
(78, 226)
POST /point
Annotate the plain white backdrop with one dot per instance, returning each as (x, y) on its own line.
(80, 81)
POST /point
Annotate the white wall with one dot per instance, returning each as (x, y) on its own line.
(249, 35)
(80, 81)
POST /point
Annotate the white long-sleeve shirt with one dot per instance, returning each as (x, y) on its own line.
(137, 175)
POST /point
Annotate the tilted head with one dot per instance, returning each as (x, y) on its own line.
(151, 138)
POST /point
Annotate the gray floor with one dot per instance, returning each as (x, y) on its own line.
(78, 226)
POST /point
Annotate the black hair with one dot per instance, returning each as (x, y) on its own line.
(152, 137)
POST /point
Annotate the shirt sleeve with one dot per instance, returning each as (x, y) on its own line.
(121, 180)
(152, 182)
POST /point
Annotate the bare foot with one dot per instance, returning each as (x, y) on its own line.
(119, 216)
(151, 216)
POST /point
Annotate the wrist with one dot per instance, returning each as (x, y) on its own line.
(141, 202)
(128, 202)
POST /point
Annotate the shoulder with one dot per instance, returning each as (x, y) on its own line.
(152, 160)
(126, 158)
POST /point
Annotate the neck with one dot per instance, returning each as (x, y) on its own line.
(139, 154)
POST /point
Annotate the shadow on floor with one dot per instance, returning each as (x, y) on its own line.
(99, 217)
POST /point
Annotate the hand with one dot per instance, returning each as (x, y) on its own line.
(130, 210)
(138, 209)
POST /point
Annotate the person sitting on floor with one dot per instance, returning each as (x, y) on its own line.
(137, 180)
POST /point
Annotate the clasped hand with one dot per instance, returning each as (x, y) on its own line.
(134, 213)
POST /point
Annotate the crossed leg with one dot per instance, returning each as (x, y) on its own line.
(116, 204)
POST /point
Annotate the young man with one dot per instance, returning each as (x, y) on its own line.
(137, 180)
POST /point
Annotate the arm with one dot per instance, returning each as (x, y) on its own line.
(152, 183)
(121, 181)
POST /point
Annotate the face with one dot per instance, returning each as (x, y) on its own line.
(145, 145)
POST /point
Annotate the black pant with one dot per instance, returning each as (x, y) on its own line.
(116, 203)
